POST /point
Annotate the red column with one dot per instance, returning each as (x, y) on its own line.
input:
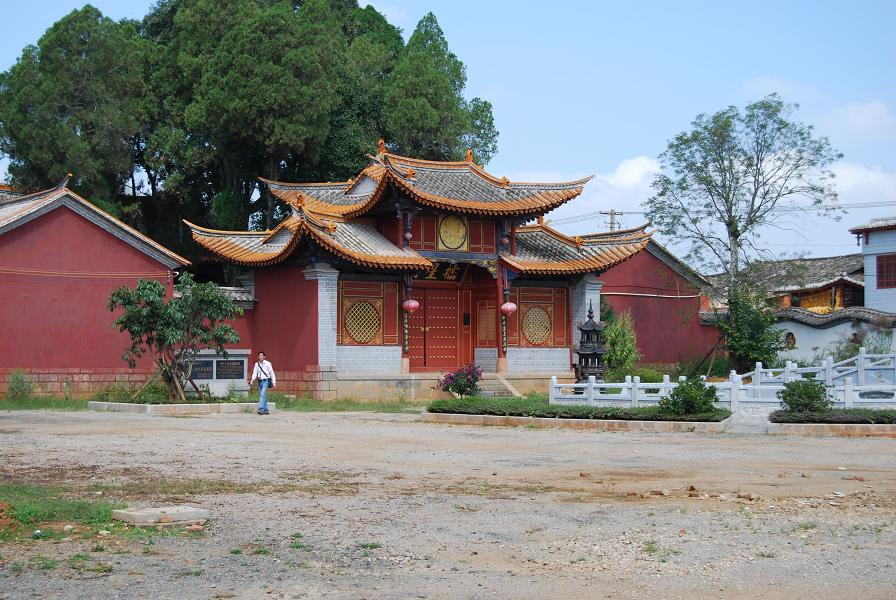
(501, 321)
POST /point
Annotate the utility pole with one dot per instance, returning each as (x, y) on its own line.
(613, 213)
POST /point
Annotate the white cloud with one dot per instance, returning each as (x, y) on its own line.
(628, 186)
(790, 91)
(623, 189)
(859, 122)
(858, 183)
(631, 173)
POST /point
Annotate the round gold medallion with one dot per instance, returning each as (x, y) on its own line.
(453, 232)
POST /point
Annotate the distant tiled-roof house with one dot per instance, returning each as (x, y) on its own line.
(820, 300)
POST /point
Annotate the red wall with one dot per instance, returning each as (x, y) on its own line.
(284, 320)
(61, 321)
(668, 329)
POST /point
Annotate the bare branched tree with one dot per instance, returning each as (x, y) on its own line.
(735, 173)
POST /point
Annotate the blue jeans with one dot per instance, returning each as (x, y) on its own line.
(263, 385)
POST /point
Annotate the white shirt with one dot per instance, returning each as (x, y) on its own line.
(264, 370)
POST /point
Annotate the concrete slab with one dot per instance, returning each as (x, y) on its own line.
(590, 424)
(163, 515)
(178, 409)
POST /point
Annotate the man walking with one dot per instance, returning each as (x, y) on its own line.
(264, 373)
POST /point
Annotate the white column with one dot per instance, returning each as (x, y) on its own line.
(860, 366)
(585, 292)
(734, 379)
(327, 278)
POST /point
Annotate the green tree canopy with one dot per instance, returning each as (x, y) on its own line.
(747, 329)
(72, 104)
(726, 179)
(172, 332)
(428, 116)
(176, 116)
(720, 184)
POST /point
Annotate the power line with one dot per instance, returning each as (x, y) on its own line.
(791, 208)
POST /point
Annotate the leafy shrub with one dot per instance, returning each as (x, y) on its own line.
(462, 381)
(20, 387)
(692, 396)
(837, 416)
(155, 393)
(699, 366)
(647, 375)
(621, 343)
(805, 395)
(525, 407)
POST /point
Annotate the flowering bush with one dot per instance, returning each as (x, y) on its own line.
(461, 381)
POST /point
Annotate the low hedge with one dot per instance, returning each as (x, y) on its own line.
(524, 407)
(838, 416)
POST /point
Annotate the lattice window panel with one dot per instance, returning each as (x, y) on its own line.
(486, 325)
(363, 321)
(537, 325)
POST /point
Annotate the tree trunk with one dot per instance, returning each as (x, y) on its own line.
(274, 174)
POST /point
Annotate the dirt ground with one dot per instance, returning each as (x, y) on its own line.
(389, 507)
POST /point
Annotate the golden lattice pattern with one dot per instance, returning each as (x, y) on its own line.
(362, 322)
(486, 325)
(536, 325)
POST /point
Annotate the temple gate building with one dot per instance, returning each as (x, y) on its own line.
(412, 268)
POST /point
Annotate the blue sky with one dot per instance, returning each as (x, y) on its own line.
(583, 88)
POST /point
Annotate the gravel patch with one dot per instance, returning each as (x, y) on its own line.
(387, 507)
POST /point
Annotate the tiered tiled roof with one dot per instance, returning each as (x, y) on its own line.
(356, 241)
(454, 186)
(543, 250)
(329, 215)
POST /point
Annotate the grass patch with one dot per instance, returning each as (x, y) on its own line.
(538, 407)
(652, 547)
(369, 546)
(297, 543)
(26, 506)
(261, 550)
(42, 403)
(236, 550)
(189, 487)
(44, 563)
(305, 404)
(838, 416)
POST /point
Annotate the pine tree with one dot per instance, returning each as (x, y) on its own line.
(427, 114)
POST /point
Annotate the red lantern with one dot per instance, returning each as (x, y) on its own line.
(410, 305)
(508, 308)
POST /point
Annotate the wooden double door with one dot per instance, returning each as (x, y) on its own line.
(435, 330)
